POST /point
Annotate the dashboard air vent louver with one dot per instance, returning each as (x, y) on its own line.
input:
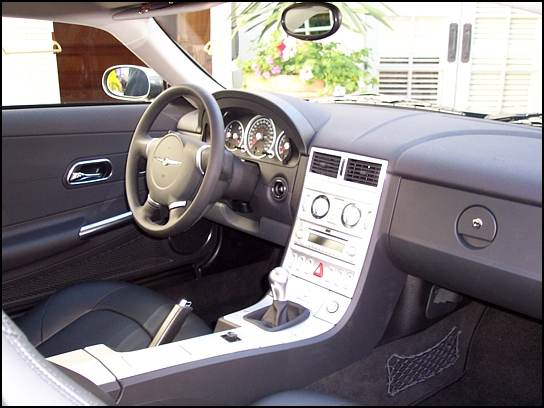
(363, 172)
(325, 164)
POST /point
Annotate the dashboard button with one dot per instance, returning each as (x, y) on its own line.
(332, 306)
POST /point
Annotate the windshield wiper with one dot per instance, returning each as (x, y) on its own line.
(531, 119)
(388, 100)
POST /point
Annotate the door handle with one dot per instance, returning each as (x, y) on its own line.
(452, 42)
(89, 171)
(467, 37)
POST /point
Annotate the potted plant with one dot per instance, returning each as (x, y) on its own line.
(307, 69)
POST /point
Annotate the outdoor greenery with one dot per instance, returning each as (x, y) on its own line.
(267, 15)
(342, 71)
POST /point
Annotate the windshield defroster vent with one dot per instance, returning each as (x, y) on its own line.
(363, 172)
(325, 164)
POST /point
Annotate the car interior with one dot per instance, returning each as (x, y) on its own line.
(201, 245)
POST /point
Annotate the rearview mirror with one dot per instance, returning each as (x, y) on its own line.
(311, 21)
(132, 83)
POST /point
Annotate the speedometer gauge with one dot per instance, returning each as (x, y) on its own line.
(261, 134)
(234, 135)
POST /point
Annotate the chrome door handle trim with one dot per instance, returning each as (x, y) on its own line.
(106, 225)
(89, 171)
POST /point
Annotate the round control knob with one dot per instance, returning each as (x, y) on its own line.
(332, 306)
(351, 250)
(279, 189)
(300, 233)
(320, 206)
(351, 215)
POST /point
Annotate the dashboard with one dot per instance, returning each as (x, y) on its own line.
(445, 176)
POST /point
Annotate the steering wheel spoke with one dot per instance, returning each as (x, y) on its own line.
(175, 174)
(150, 210)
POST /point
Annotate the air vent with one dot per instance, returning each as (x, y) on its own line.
(363, 172)
(325, 164)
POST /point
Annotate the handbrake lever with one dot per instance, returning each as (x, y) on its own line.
(172, 324)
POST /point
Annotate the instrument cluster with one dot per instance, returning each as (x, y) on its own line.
(258, 137)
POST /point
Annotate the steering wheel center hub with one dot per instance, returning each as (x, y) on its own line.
(166, 164)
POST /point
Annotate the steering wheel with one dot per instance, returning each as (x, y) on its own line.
(175, 175)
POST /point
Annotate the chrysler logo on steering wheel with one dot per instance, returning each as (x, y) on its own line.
(166, 161)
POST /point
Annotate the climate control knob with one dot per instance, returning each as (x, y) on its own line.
(351, 215)
(320, 206)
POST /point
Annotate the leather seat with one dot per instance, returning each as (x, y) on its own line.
(123, 316)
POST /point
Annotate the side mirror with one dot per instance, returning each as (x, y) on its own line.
(311, 21)
(132, 83)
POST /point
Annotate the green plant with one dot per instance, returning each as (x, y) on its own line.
(339, 69)
(267, 15)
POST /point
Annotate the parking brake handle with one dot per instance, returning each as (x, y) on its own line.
(172, 325)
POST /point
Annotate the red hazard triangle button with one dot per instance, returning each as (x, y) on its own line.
(319, 270)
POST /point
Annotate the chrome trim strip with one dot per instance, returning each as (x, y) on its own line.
(199, 157)
(100, 227)
(152, 202)
(177, 204)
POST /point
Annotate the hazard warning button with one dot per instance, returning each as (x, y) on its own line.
(319, 270)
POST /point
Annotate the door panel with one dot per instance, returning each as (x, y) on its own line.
(42, 216)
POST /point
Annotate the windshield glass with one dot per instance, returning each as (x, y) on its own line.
(471, 57)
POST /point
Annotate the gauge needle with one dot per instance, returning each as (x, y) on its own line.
(257, 137)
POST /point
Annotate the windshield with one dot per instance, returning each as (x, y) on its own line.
(471, 57)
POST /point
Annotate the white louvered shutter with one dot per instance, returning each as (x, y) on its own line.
(413, 56)
(502, 75)
(506, 61)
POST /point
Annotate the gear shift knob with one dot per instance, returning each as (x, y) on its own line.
(278, 278)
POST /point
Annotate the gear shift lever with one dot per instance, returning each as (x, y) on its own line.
(282, 313)
(278, 283)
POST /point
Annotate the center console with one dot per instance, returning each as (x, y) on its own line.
(324, 260)
(331, 234)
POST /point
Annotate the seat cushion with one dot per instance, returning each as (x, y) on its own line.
(123, 316)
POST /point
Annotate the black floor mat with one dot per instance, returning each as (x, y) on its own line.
(499, 364)
(504, 367)
(407, 370)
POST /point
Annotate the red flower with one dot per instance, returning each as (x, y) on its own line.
(281, 47)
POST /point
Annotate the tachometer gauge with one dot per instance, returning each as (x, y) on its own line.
(234, 135)
(283, 147)
(261, 134)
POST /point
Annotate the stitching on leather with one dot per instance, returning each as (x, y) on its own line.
(43, 340)
(43, 318)
(35, 365)
(130, 317)
(93, 308)
(108, 295)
